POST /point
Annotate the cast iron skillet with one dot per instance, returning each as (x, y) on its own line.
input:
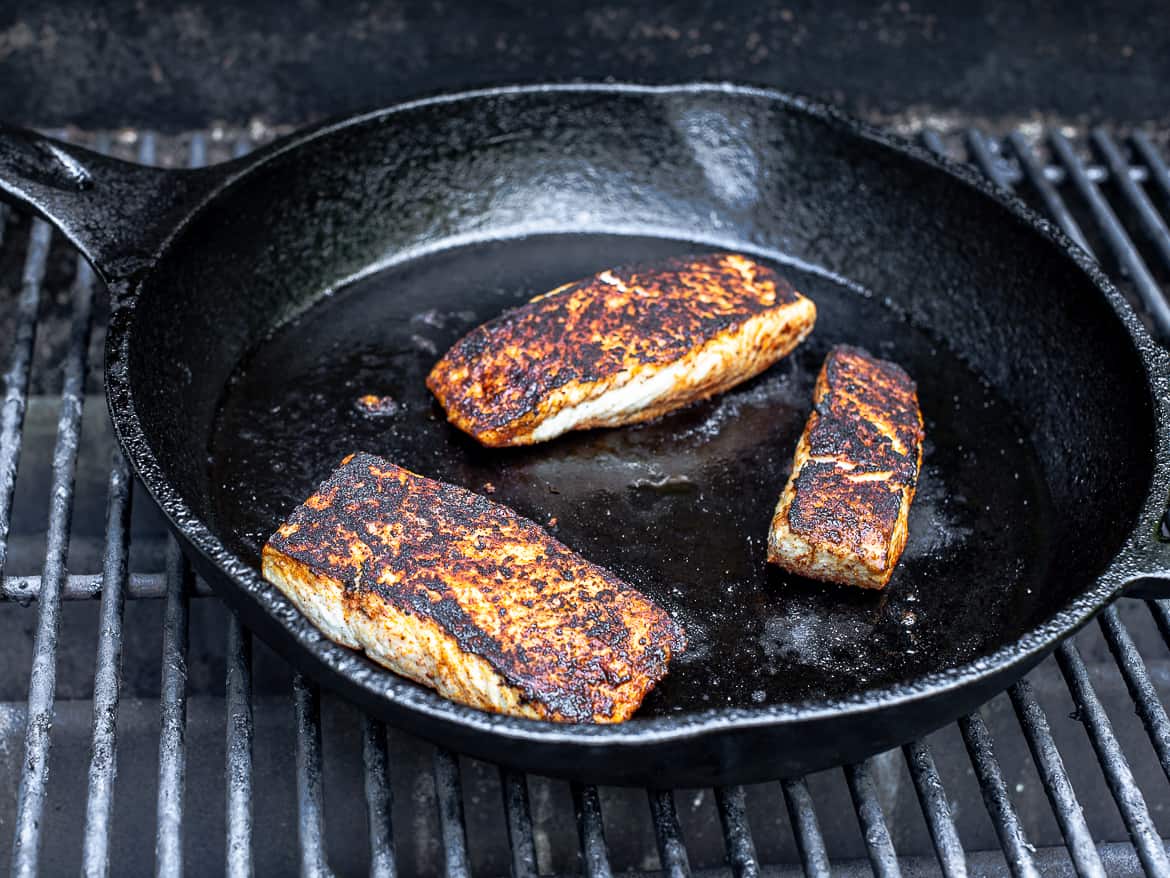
(254, 301)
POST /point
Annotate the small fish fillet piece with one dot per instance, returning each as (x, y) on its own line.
(843, 515)
(466, 596)
(621, 347)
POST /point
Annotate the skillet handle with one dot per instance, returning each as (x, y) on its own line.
(116, 213)
(1144, 565)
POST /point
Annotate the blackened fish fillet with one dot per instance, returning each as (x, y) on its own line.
(623, 346)
(843, 515)
(464, 595)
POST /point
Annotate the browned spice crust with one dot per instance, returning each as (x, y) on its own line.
(578, 642)
(618, 322)
(856, 469)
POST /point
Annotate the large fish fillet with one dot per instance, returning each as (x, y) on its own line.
(466, 596)
(623, 346)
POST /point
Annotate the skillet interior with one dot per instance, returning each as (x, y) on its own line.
(679, 507)
(735, 169)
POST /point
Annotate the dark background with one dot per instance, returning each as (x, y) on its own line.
(184, 65)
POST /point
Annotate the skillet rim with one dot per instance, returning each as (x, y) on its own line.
(400, 694)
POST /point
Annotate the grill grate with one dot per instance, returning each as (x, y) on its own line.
(1124, 185)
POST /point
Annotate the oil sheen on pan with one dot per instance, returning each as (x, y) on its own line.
(461, 594)
(678, 507)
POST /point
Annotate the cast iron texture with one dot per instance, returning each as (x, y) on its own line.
(1004, 299)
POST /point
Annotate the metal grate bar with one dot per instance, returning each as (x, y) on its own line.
(1127, 255)
(1141, 687)
(146, 148)
(933, 142)
(88, 587)
(449, 796)
(310, 800)
(591, 830)
(383, 862)
(197, 150)
(240, 728)
(873, 822)
(933, 799)
(1160, 610)
(19, 368)
(108, 673)
(239, 732)
(737, 832)
(514, 787)
(43, 677)
(805, 829)
(1040, 181)
(672, 853)
(107, 680)
(1065, 804)
(1121, 782)
(1149, 154)
(991, 163)
(1016, 849)
(1151, 221)
(172, 749)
